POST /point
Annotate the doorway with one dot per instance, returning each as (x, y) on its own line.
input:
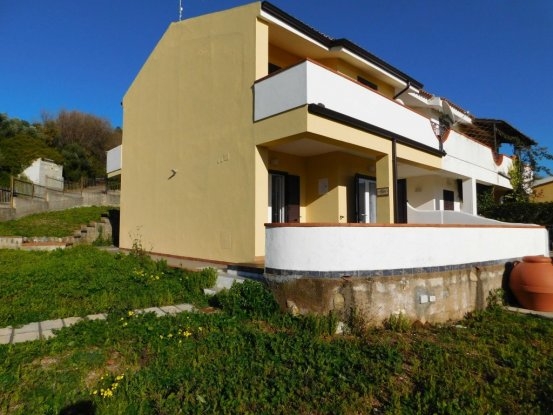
(284, 197)
(365, 199)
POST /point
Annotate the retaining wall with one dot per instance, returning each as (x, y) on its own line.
(429, 273)
(55, 201)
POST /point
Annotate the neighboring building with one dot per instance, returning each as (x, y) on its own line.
(45, 173)
(114, 161)
(542, 190)
(249, 116)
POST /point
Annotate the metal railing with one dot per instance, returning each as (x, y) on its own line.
(5, 196)
(25, 188)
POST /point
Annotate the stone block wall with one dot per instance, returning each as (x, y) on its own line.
(426, 297)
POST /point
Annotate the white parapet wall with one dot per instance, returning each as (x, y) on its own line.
(310, 83)
(449, 217)
(114, 159)
(356, 249)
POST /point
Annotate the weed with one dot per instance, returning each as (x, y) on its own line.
(496, 298)
(355, 323)
(248, 298)
(398, 322)
(101, 240)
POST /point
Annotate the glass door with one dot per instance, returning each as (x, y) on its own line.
(365, 189)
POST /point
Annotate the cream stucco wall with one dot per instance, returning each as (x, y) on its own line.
(190, 110)
(426, 192)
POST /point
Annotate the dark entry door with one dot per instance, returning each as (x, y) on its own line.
(449, 199)
(285, 197)
(402, 201)
(365, 199)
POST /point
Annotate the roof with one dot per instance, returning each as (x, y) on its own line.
(495, 132)
(329, 42)
(543, 181)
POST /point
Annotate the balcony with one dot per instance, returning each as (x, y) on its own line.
(114, 161)
(311, 83)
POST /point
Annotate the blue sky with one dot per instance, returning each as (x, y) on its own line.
(494, 58)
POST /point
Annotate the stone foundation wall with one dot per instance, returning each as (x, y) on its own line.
(426, 297)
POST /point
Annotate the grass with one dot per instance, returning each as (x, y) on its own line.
(38, 285)
(235, 361)
(55, 224)
(247, 357)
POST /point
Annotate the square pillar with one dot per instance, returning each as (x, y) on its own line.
(385, 190)
(469, 204)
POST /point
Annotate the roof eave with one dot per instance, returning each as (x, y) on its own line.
(330, 43)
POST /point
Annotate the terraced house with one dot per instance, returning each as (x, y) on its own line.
(247, 123)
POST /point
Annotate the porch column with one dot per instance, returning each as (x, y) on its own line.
(385, 187)
(261, 199)
(469, 197)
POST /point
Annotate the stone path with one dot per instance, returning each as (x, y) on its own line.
(45, 329)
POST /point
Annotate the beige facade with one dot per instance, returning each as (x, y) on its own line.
(543, 190)
(204, 171)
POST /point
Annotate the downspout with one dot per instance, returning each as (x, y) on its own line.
(394, 180)
(394, 161)
(403, 90)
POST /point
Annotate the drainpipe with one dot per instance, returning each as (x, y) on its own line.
(394, 179)
(403, 90)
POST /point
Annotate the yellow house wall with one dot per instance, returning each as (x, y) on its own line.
(415, 156)
(323, 202)
(282, 58)
(543, 193)
(190, 109)
(338, 169)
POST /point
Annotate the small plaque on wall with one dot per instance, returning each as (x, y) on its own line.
(323, 186)
(383, 191)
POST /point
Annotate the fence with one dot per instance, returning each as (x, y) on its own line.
(5, 196)
(28, 189)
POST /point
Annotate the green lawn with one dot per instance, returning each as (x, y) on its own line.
(56, 224)
(38, 285)
(253, 359)
(246, 357)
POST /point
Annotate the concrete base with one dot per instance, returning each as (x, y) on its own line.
(426, 297)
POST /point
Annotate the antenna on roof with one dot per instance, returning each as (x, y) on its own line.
(180, 10)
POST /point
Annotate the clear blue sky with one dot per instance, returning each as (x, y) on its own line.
(494, 58)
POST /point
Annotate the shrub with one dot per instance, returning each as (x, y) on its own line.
(521, 212)
(248, 298)
(398, 323)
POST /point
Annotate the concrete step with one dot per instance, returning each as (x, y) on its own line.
(224, 282)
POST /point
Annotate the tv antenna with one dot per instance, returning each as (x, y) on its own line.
(180, 10)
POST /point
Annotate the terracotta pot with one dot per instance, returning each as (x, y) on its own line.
(531, 282)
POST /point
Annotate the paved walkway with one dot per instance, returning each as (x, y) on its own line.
(45, 329)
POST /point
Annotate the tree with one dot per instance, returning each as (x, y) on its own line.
(20, 144)
(86, 136)
(521, 177)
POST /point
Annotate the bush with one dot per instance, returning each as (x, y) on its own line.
(249, 298)
(521, 212)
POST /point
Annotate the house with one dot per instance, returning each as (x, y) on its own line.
(45, 173)
(249, 116)
(542, 190)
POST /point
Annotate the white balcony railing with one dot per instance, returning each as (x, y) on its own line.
(348, 248)
(114, 159)
(310, 83)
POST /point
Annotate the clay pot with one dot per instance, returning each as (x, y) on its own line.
(531, 282)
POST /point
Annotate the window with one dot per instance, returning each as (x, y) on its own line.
(449, 198)
(273, 68)
(367, 83)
